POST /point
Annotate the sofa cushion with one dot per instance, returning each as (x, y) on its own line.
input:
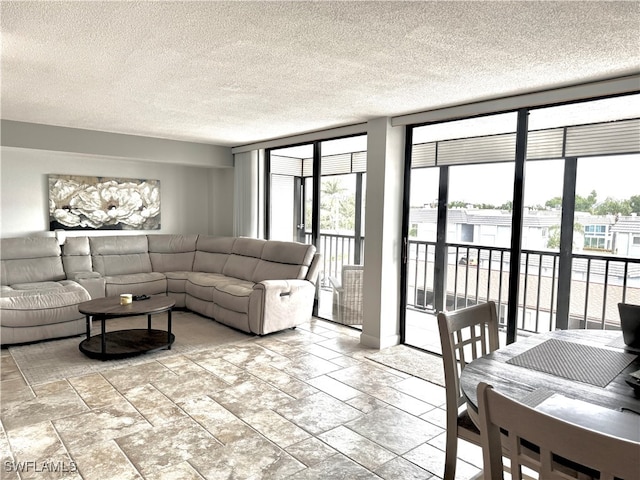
(172, 253)
(120, 255)
(288, 252)
(283, 260)
(150, 283)
(177, 281)
(240, 267)
(76, 255)
(212, 253)
(200, 284)
(30, 259)
(233, 294)
(56, 302)
(230, 293)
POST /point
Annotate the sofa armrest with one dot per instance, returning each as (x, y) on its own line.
(279, 304)
(92, 281)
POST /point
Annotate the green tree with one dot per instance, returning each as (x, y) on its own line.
(554, 237)
(611, 206)
(634, 203)
(554, 234)
(553, 203)
(586, 204)
(337, 205)
(508, 205)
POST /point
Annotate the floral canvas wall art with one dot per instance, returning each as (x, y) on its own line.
(102, 203)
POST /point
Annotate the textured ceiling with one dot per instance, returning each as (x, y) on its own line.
(232, 73)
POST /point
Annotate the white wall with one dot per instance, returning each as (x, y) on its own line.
(196, 179)
(193, 199)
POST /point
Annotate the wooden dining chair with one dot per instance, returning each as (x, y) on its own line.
(465, 335)
(608, 456)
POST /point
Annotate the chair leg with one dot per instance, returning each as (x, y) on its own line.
(451, 455)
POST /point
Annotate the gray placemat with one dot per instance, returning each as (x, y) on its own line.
(583, 363)
(535, 398)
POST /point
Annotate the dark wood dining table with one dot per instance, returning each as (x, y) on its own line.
(576, 375)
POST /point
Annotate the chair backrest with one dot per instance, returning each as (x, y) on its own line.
(610, 456)
(465, 335)
(630, 323)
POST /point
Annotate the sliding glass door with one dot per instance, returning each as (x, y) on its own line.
(568, 203)
(316, 194)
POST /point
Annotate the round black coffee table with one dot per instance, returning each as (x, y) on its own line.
(125, 343)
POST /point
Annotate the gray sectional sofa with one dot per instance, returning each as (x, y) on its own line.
(257, 286)
(37, 301)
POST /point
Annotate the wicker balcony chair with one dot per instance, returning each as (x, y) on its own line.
(347, 295)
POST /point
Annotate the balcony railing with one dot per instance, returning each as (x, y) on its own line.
(477, 274)
(337, 250)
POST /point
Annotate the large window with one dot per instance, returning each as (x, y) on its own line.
(574, 192)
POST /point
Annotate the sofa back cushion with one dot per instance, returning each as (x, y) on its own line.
(172, 253)
(244, 258)
(283, 260)
(212, 253)
(30, 259)
(120, 255)
(76, 255)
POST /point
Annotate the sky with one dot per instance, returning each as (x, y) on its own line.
(617, 177)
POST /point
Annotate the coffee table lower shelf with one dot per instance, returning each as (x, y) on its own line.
(126, 343)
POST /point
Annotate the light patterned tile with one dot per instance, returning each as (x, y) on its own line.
(52, 401)
(15, 391)
(318, 413)
(323, 352)
(401, 469)
(366, 403)
(251, 407)
(180, 471)
(365, 377)
(250, 458)
(183, 387)
(180, 364)
(154, 405)
(134, 375)
(423, 390)
(95, 390)
(305, 367)
(400, 400)
(8, 368)
(437, 416)
(311, 451)
(216, 419)
(283, 382)
(38, 449)
(228, 372)
(276, 428)
(105, 461)
(250, 397)
(334, 388)
(394, 429)
(155, 449)
(337, 467)
(356, 447)
(431, 459)
(100, 425)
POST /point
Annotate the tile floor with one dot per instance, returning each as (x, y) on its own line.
(298, 404)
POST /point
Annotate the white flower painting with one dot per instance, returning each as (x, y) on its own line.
(79, 203)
